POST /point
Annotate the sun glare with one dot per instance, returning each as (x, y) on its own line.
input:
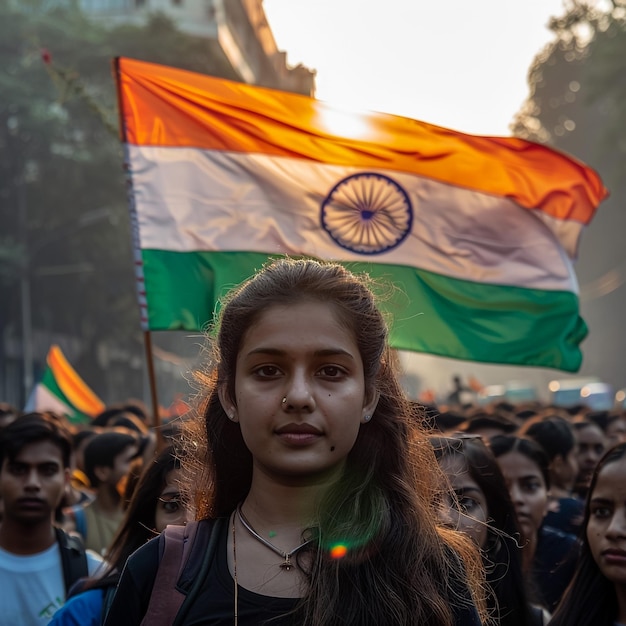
(343, 123)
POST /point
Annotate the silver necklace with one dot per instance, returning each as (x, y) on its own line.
(287, 565)
(235, 574)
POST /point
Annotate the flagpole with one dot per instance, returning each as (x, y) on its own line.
(156, 418)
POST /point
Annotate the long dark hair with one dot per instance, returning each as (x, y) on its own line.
(552, 432)
(138, 525)
(398, 570)
(506, 600)
(590, 599)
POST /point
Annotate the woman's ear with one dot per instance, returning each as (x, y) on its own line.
(227, 404)
(371, 402)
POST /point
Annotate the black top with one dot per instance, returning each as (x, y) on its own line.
(567, 516)
(553, 566)
(217, 592)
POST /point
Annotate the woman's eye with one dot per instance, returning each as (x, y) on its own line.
(531, 486)
(601, 512)
(331, 371)
(467, 504)
(171, 506)
(267, 371)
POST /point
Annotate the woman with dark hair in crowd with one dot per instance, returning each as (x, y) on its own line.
(479, 505)
(548, 555)
(597, 595)
(612, 423)
(155, 503)
(318, 481)
(556, 436)
(590, 446)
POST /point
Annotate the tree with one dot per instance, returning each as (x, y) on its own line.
(63, 205)
(577, 90)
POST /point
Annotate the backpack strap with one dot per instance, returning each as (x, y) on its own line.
(73, 557)
(183, 564)
(108, 594)
(197, 569)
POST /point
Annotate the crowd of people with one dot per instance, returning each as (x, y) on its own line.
(305, 488)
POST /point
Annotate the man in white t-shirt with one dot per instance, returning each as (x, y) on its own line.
(35, 557)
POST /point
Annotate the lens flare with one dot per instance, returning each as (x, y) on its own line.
(338, 551)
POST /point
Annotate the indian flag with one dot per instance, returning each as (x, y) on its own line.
(63, 391)
(475, 234)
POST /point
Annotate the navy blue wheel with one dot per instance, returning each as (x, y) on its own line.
(367, 213)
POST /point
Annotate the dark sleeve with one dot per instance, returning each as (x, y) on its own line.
(132, 596)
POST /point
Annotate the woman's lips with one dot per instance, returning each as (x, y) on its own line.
(614, 557)
(299, 434)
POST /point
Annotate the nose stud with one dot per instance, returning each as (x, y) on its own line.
(284, 400)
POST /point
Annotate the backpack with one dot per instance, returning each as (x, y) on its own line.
(185, 556)
(73, 557)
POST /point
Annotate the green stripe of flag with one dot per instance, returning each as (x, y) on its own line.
(431, 313)
(50, 383)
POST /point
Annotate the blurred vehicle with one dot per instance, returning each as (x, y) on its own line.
(566, 392)
(518, 391)
(491, 393)
(514, 391)
(598, 396)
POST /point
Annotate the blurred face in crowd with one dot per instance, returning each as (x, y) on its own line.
(465, 509)
(606, 530)
(590, 448)
(122, 463)
(528, 490)
(616, 432)
(32, 484)
(564, 470)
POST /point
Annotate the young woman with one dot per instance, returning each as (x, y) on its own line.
(556, 436)
(548, 555)
(317, 481)
(591, 445)
(597, 595)
(156, 502)
(612, 423)
(479, 505)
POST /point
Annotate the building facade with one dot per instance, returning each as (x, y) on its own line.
(236, 30)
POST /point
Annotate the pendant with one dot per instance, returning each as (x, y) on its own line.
(287, 565)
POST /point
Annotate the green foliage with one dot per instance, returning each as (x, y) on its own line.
(63, 205)
(578, 85)
(576, 104)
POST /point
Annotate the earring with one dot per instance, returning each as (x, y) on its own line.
(367, 418)
(231, 414)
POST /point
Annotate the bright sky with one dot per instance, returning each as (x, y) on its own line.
(455, 63)
(461, 64)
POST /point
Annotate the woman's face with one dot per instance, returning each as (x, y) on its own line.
(616, 431)
(300, 395)
(591, 444)
(564, 470)
(606, 530)
(170, 509)
(468, 512)
(528, 490)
